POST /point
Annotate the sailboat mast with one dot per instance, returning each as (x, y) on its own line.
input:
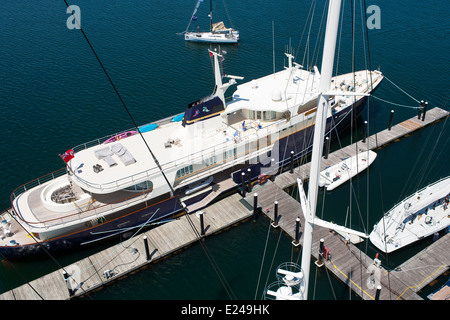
(319, 132)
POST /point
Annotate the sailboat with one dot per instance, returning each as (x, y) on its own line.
(294, 285)
(217, 33)
(416, 217)
(150, 174)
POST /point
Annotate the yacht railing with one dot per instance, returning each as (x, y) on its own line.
(88, 210)
(99, 212)
(37, 182)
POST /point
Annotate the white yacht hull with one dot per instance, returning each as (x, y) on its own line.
(210, 37)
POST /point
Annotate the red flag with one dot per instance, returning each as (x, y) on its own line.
(68, 155)
(210, 53)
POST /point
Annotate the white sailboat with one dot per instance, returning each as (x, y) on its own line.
(217, 33)
(418, 216)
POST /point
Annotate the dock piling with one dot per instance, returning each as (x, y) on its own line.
(377, 295)
(202, 224)
(319, 261)
(424, 110)
(420, 110)
(327, 147)
(390, 120)
(255, 205)
(291, 170)
(364, 132)
(243, 184)
(296, 242)
(275, 215)
(147, 251)
(249, 171)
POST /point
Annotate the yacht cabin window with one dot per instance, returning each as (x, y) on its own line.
(262, 115)
(185, 171)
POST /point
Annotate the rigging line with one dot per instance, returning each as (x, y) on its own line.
(213, 263)
(401, 89)
(190, 20)
(20, 275)
(396, 104)
(376, 137)
(303, 32)
(430, 156)
(307, 46)
(340, 37)
(363, 38)
(120, 98)
(320, 36)
(228, 14)
(117, 249)
(273, 45)
(273, 259)
(413, 172)
(262, 262)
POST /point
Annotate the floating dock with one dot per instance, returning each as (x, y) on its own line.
(157, 243)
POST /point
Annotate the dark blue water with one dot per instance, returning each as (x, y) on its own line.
(54, 95)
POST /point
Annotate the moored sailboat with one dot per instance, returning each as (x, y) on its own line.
(416, 217)
(218, 32)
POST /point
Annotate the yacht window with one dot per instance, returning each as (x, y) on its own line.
(229, 154)
(210, 161)
(274, 115)
(184, 171)
(258, 115)
(142, 186)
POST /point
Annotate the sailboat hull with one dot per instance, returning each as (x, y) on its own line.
(418, 216)
(210, 37)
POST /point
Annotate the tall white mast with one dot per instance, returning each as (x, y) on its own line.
(319, 132)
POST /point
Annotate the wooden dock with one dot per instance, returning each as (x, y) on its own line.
(348, 263)
(130, 256)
